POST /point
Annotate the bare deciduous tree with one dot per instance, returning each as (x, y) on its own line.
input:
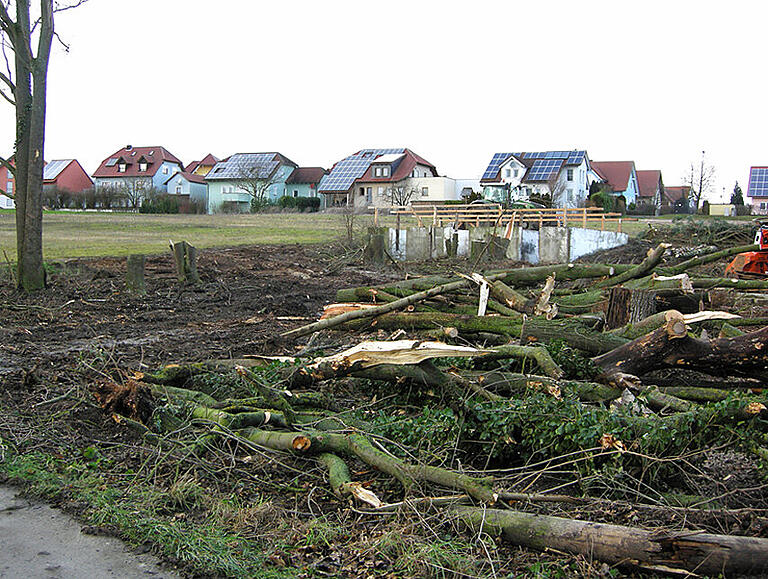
(700, 178)
(400, 194)
(29, 37)
(256, 179)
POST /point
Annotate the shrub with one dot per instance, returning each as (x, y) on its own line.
(743, 210)
(309, 204)
(287, 202)
(604, 200)
(160, 204)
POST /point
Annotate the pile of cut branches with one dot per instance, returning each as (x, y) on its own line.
(491, 397)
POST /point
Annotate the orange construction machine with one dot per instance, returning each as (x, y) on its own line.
(752, 264)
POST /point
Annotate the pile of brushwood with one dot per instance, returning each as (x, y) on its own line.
(524, 404)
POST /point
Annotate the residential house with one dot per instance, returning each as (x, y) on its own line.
(202, 167)
(757, 192)
(7, 188)
(384, 178)
(620, 177)
(676, 198)
(560, 175)
(190, 189)
(136, 171)
(303, 181)
(650, 188)
(66, 175)
(234, 182)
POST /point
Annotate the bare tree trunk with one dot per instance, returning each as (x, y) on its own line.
(31, 78)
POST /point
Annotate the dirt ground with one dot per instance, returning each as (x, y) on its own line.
(85, 322)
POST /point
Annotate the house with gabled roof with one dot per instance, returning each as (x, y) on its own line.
(650, 188)
(236, 181)
(136, 171)
(383, 178)
(191, 191)
(620, 177)
(66, 175)
(757, 191)
(202, 167)
(677, 198)
(303, 181)
(534, 175)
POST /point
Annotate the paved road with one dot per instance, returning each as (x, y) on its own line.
(38, 541)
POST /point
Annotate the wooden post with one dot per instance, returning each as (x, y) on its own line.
(397, 231)
(602, 222)
(584, 219)
(134, 274)
(619, 227)
(565, 217)
(185, 256)
(434, 216)
(375, 216)
(541, 220)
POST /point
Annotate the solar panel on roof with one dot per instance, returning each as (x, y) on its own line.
(496, 162)
(758, 182)
(351, 168)
(543, 169)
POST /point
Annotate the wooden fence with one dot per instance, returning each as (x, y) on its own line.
(475, 215)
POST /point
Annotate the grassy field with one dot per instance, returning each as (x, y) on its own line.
(80, 234)
(76, 234)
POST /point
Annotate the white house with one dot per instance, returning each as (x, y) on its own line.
(528, 175)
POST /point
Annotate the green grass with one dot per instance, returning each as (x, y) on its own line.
(142, 514)
(80, 234)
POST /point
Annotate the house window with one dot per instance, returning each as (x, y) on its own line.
(362, 191)
(570, 175)
(295, 192)
(165, 170)
(121, 168)
(142, 167)
(369, 194)
(425, 191)
(385, 171)
(509, 173)
(380, 191)
(763, 206)
(10, 188)
(178, 188)
(516, 172)
(377, 172)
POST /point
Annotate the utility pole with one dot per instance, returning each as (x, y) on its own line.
(701, 179)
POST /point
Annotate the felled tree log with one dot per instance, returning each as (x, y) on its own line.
(643, 354)
(511, 298)
(670, 346)
(540, 355)
(695, 394)
(638, 329)
(725, 282)
(513, 383)
(576, 332)
(356, 445)
(341, 482)
(376, 311)
(644, 268)
(709, 258)
(664, 551)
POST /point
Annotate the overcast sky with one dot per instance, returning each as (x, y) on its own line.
(657, 82)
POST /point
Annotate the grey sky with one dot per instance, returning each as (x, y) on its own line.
(654, 82)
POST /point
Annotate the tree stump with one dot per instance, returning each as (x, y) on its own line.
(134, 274)
(629, 306)
(185, 256)
(375, 249)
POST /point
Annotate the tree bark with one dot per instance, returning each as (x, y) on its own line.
(710, 257)
(651, 261)
(614, 544)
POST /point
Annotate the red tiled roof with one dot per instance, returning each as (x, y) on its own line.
(154, 156)
(192, 166)
(403, 170)
(209, 160)
(648, 182)
(191, 177)
(672, 194)
(306, 175)
(615, 173)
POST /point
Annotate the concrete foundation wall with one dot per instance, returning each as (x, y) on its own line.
(584, 241)
(550, 245)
